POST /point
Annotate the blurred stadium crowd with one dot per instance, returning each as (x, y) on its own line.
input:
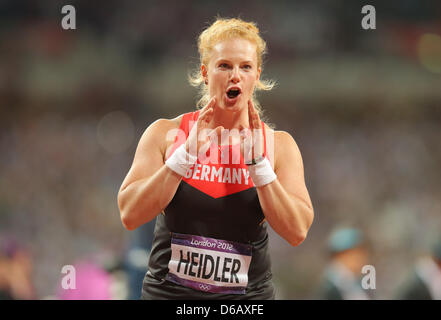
(363, 106)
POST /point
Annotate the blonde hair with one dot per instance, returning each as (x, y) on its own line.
(223, 29)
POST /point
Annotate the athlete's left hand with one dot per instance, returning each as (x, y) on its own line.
(252, 141)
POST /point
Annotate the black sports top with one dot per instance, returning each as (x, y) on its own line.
(211, 241)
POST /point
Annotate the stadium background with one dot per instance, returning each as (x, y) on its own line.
(363, 105)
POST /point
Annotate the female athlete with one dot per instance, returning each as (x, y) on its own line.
(217, 176)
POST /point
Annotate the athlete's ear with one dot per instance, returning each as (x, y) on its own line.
(259, 70)
(204, 72)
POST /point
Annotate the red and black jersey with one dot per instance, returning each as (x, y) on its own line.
(217, 201)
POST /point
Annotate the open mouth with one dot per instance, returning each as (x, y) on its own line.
(233, 93)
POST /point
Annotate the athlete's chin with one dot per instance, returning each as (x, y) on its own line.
(232, 106)
(231, 109)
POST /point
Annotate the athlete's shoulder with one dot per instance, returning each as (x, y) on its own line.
(285, 148)
(191, 115)
(164, 124)
(156, 133)
(283, 137)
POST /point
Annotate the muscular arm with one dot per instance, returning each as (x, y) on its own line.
(285, 201)
(149, 185)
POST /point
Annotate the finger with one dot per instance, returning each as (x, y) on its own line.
(209, 115)
(207, 107)
(250, 115)
(253, 116)
(202, 117)
(213, 107)
(210, 103)
(205, 118)
(216, 133)
(243, 131)
(257, 130)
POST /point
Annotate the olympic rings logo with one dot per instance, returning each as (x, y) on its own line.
(204, 287)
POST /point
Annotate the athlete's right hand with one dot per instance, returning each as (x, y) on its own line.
(199, 136)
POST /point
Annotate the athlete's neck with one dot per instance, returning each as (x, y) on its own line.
(230, 119)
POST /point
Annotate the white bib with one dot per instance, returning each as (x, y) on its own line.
(210, 265)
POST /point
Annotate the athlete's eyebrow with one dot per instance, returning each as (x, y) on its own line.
(229, 61)
(223, 60)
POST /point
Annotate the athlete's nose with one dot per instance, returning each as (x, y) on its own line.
(235, 77)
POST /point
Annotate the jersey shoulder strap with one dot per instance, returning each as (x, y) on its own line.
(187, 121)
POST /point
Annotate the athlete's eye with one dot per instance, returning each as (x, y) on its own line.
(224, 65)
(247, 66)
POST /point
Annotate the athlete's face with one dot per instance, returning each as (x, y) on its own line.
(232, 73)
